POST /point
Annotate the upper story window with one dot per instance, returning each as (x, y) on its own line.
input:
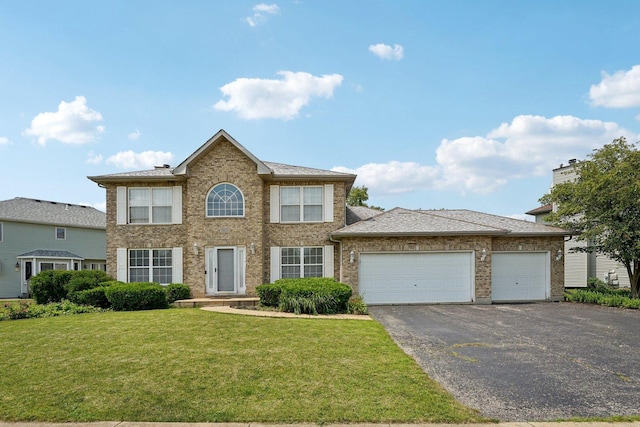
(225, 200)
(145, 205)
(61, 233)
(301, 204)
(0, 232)
(150, 205)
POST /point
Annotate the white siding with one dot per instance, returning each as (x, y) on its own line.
(575, 265)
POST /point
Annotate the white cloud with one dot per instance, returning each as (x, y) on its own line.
(260, 12)
(4, 140)
(384, 51)
(619, 90)
(93, 158)
(73, 123)
(528, 146)
(134, 135)
(253, 98)
(144, 160)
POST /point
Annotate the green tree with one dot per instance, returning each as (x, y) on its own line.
(603, 205)
(358, 196)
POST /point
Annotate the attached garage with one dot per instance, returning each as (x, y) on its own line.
(451, 256)
(520, 276)
(409, 278)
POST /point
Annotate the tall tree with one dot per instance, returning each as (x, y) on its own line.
(603, 205)
(358, 196)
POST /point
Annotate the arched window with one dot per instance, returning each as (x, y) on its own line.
(225, 200)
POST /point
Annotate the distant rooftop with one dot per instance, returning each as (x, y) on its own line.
(38, 211)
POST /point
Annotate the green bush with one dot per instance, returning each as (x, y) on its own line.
(27, 310)
(269, 294)
(136, 296)
(50, 286)
(315, 295)
(610, 298)
(177, 291)
(356, 305)
(85, 279)
(95, 297)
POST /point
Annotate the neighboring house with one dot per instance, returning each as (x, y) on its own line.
(579, 266)
(224, 222)
(38, 235)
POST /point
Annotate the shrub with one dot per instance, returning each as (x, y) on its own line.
(269, 294)
(27, 310)
(95, 297)
(318, 295)
(136, 296)
(177, 291)
(85, 279)
(356, 305)
(611, 298)
(50, 286)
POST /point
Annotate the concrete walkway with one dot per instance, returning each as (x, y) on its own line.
(265, 313)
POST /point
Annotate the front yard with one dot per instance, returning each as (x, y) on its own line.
(194, 366)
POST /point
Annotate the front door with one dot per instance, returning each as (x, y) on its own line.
(225, 270)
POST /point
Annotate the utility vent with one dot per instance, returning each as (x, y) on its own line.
(572, 161)
(165, 166)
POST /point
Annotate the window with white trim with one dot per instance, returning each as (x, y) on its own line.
(61, 233)
(301, 204)
(151, 265)
(44, 266)
(301, 262)
(225, 200)
(150, 205)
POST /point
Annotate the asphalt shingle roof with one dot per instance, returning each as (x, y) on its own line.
(46, 253)
(360, 213)
(405, 222)
(45, 212)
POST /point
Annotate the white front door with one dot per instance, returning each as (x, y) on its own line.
(225, 270)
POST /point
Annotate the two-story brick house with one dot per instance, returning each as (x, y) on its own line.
(224, 222)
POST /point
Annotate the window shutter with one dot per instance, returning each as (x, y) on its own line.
(327, 258)
(240, 263)
(328, 203)
(121, 205)
(121, 264)
(274, 204)
(176, 209)
(275, 263)
(176, 259)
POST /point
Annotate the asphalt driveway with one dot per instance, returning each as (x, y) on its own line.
(526, 362)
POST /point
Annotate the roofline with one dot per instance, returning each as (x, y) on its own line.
(182, 168)
(345, 178)
(93, 227)
(79, 258)
(99, 179)
(338, 235)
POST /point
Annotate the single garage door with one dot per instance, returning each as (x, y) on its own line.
(521, 276)
(405, 278)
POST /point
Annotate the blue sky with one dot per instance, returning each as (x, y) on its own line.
(434, 104)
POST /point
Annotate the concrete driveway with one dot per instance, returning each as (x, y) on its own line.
(526, 362)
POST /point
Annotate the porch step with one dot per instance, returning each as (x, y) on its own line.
(217, 302)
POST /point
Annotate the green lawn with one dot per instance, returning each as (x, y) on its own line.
(195, 366)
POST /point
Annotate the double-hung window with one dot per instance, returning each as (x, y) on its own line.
(150, 205)
(150, 265)
(301, 204)
(301, 262)
(61, 233)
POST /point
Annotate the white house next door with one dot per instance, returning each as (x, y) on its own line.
(225, 270)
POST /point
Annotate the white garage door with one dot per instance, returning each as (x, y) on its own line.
(402, 278)
(522, 276)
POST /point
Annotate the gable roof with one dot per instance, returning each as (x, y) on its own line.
(541, 210)
(266, 170)
(36, 211)
(360, 213)
(183, 168)
(405, 222)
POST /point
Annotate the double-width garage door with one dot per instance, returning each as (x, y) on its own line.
(520, 276)
(405, 278)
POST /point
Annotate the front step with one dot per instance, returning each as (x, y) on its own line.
(217, 302)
